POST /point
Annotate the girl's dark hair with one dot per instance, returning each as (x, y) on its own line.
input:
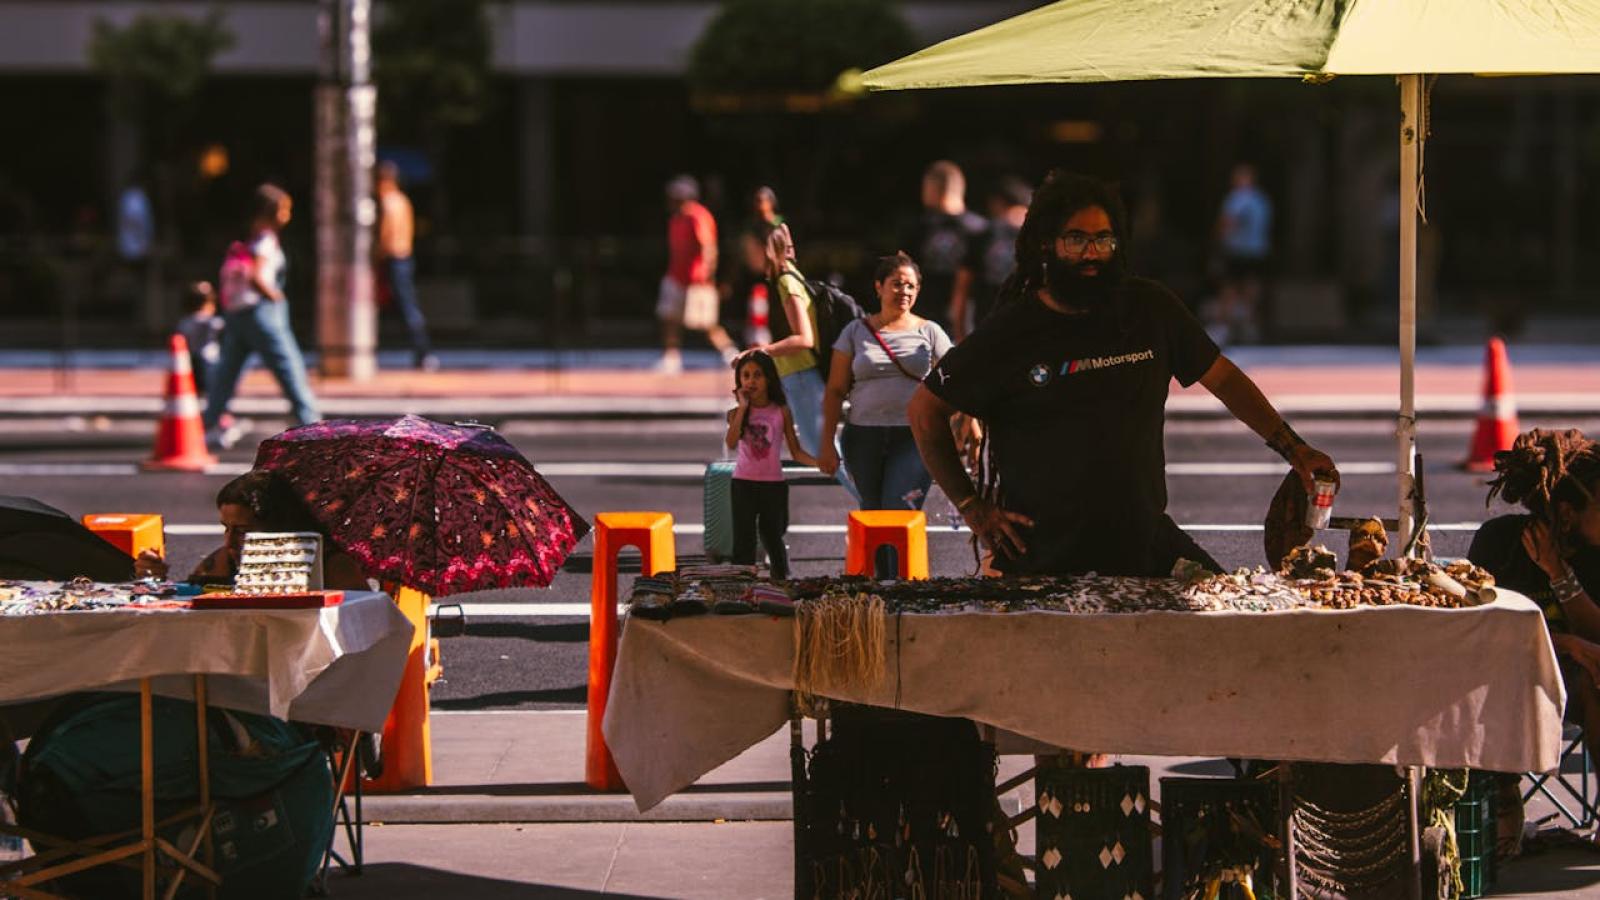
(1061, 195)
(271, 500)
(888, 265)
(267, 200)
(763, 359)
(1545, 468)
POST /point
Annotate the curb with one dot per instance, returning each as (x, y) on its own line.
(446, 808)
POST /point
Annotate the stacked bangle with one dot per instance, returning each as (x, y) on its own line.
(1566, 588)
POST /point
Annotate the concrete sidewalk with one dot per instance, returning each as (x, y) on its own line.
(510, 816)
(1560, 380)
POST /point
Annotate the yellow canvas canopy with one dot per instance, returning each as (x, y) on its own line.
(1142, 40)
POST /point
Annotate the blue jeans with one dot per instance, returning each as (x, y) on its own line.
(888, 471)
(264, 329)
(804, 390)
(400, 274)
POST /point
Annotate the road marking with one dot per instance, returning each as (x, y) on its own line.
(444, 609)
(685, 471)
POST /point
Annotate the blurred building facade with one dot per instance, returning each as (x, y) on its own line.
(555, 211)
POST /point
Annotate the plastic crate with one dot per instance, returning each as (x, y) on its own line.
(1210, 824)
(1093, 833)
(1476, 834)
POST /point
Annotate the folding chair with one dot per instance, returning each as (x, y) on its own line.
(351, 758)
(1587, 814)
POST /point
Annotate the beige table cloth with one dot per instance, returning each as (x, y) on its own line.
(335, 666)
(1405, 685)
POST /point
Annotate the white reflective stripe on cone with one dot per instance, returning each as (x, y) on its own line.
(185, 406)
(180, 364)
(1501, 407)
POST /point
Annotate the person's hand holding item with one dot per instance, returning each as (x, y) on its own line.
(149, 564)
(1309, 462)
(996, 527)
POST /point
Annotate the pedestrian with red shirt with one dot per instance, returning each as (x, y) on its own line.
(688, 297)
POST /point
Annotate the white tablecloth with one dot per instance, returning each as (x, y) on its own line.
(335, 666)
(1404, 685)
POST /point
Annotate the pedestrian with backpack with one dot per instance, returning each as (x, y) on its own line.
(877, 362)
(256, 312)
(812, 313)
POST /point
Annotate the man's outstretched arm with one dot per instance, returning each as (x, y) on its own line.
(1242, 398)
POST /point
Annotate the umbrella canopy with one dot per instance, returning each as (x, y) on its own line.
(442, 508)
(1139, 40)
(39, 541)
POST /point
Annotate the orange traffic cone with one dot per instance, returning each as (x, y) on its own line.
(180, 438)
(1497, 420)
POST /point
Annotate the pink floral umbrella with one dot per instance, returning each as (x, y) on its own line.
(441, 508)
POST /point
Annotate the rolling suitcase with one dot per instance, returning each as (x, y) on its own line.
(719, 510)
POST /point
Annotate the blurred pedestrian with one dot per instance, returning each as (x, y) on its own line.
(758, 427)
(392, 250)
(256, 312)
(1244, 233)
(201, 328)
(989, 256)
(752, 284)
(764, 206)
(878, 361)
(688, 297)
(940, 236)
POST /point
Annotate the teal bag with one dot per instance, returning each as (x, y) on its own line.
(270, 784)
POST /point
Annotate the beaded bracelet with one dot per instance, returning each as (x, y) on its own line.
(1566, 588)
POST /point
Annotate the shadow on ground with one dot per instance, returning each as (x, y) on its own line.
(399, 881)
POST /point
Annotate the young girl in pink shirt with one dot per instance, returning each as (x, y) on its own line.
(759, 492)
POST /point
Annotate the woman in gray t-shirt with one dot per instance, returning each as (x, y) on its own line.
(878, 361)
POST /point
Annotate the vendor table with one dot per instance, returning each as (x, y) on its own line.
(1404, 685)
(337, 666)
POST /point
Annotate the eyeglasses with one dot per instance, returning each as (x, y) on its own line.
(1076, 242)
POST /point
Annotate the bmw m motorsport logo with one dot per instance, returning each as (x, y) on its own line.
(1074, 366)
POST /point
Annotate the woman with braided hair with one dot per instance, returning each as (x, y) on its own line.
(1551, 554)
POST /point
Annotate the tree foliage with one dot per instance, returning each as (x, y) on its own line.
(794, 45)
(431, 64)
(159, 56)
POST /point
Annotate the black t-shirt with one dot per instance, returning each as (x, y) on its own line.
(990, 258)
(1075, 406)
(1497, 547)
(939, 241)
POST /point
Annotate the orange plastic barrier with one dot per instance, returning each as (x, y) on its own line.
(132, 533)
(407, 746)
(906, 530)
(651, 532)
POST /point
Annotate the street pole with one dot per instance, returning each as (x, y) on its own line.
(1411, 138)
(345, 211)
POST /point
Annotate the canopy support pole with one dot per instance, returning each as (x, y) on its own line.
(1411, 137)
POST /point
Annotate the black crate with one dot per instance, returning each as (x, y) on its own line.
(1093, 833)
(895, 804)
(1213, 826)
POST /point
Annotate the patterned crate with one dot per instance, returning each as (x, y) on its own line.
(1214, 831)
(1093, 834)
(1475, 834)
(895, 804)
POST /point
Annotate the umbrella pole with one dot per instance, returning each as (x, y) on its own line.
(1406, 427)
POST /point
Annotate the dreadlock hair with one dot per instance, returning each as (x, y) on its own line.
(1059, 197)
(1544, 469)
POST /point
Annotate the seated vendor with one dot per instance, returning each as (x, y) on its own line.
(1551, 554)
(259, 501)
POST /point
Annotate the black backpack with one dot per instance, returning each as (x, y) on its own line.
(835, 309)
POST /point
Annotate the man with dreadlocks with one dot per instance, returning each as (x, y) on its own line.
(1551, 554)
(1070, 374)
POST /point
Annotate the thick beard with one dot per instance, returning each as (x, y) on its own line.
(1068, 283)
